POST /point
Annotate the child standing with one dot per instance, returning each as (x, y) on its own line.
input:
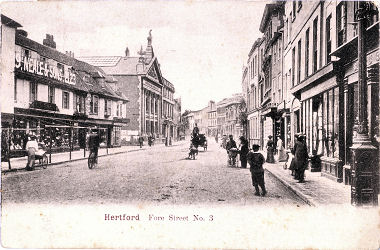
(256, 161)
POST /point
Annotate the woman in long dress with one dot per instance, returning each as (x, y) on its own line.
(270, 150)
(281, 150)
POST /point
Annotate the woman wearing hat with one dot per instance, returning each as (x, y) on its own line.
(270, 149)
(300, 158)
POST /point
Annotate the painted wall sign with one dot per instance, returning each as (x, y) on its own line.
(38, 67)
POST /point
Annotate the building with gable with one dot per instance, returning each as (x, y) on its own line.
(150, 94)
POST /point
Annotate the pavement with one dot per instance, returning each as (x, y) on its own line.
(316, 190)
(19, 163)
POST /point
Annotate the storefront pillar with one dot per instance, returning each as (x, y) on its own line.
(364, 188)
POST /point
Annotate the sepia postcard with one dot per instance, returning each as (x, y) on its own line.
(188, 124)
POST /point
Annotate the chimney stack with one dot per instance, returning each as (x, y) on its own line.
(49, 41)
(69, 53)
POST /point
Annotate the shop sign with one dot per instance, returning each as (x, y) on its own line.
(35, 66)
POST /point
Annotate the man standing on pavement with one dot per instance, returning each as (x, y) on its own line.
(93, 144)
(31, 147)
(300, 158)
(141, 139)
(256, 161)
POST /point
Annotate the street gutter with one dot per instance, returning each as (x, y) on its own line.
(306, 198)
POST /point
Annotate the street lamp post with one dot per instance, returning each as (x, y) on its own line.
(364, 188)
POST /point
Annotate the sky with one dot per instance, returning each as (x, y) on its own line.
(201, 46)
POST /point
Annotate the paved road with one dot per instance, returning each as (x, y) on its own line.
(156, 175)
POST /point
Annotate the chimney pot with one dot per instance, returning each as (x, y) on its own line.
(49, 41)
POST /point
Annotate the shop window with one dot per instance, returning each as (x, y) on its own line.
(336, 124)
(51, 94)
(330, 131)
(65, 100)
(325, 138)
(33, 91)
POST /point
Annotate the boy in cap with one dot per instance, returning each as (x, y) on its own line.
(256, 161)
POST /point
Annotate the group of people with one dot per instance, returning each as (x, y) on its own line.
(150, 140)
(254, 158)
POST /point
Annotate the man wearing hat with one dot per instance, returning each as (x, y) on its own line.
(300, 158)
(31, 147)
(231, 144)
(256, 161)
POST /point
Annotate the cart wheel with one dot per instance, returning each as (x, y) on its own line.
(44, 161)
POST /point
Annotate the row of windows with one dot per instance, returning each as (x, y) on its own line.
(78, 100)
(167, 109)
(168, 94)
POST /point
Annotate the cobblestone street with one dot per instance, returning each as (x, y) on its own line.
(157, 175)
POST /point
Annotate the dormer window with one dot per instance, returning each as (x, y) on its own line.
(25, 53)
(61, 68)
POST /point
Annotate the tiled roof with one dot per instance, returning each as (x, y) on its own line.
(114, 65)
(237, 98)
(79, 67)
(9, 22)
(100, 61)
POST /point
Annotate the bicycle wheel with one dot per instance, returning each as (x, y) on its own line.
(91, 161)
(44, 161)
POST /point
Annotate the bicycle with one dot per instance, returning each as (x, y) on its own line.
(92, 160)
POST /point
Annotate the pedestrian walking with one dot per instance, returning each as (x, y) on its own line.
(231, 149)
(281, 150)
(270, 150)
(150, 140)
(31, 147)
(300, 158)
(141, 140)
(256, 161)
(243, 151)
